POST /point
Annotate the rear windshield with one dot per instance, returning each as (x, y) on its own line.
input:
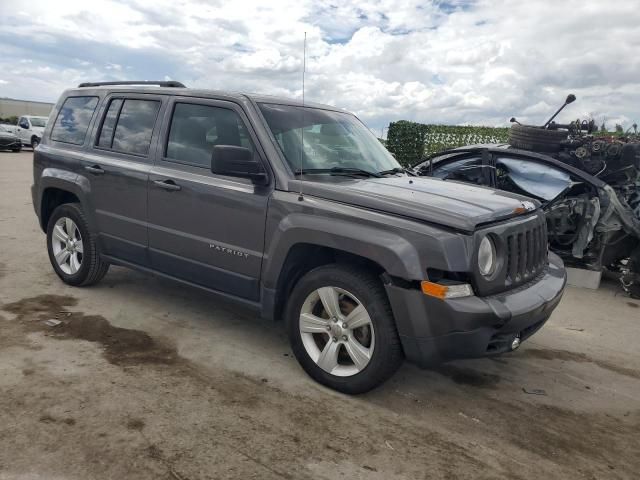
(73, 120)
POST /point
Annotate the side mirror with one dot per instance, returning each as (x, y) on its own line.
(235, 161)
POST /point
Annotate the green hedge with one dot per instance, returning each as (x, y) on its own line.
(411, 141)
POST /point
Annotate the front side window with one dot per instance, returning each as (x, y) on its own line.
(315, 139)
(196, 129)
(73, 120)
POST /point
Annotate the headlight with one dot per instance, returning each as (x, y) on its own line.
(487, 256)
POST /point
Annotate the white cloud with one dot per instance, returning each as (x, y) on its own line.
(476, 62)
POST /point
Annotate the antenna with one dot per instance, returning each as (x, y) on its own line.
(304, 68)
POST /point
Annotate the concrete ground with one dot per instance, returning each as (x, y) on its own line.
(147, 379)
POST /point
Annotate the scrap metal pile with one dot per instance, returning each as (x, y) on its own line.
(592, 224)
(587, 181)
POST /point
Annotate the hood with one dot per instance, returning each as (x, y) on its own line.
(38, 130)
(456, 205)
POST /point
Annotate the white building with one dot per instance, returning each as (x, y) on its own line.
(10, 107)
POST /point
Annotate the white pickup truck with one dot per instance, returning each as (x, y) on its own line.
(30, 129)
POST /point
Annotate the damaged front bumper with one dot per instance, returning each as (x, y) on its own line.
(433, 330)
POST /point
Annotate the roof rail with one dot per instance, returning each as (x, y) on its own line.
(168, 83)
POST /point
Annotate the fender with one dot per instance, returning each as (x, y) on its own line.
(392, 252)
(70, 182)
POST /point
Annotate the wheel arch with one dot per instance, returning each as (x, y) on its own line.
(58, 187)
(304, 257)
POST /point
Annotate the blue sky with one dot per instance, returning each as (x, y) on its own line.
(453, 62)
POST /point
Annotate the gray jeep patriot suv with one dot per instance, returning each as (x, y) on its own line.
(297, 212)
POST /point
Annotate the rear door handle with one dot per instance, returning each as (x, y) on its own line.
(96, 169)
(167, 185)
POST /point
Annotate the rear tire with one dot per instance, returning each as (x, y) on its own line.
(72, 247)
(536, 139)
(351, 346)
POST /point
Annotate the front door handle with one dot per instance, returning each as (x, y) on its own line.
(96, 169)
(167, 185)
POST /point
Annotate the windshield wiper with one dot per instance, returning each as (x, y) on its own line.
(339, 171)
(397, 170)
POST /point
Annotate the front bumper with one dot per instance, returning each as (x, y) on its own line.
(10, 142)
(433, 330)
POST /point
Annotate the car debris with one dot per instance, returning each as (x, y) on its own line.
(589, 187)
(534, 391)
(52, 322)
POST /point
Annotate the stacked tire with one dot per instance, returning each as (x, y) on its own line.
(536, 139)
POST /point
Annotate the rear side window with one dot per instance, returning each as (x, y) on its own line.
(196, 129)
(108, 126)
(73, 120)
(128, 125)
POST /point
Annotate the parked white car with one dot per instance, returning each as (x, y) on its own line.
(30, 129)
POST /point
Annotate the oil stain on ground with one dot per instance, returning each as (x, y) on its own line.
(122, 346)
(468, 376)
(565, 355)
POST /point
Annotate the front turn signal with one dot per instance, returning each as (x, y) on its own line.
(443, 292)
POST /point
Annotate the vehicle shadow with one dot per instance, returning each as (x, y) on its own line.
(214, 332)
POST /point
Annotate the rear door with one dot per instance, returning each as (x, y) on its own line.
(205, 228)
(117, 166)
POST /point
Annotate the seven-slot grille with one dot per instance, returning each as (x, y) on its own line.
(526, 253)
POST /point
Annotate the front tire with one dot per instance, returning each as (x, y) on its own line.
(342, 330)
(35, 141)
(72, 247)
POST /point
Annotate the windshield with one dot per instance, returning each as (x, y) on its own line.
(38, 121)
(331, 140)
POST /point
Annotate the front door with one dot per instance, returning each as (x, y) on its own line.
(205, 228)
(24, 130)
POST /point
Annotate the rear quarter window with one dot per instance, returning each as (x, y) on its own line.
(73, 120)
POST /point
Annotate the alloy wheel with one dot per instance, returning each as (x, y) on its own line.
(337, 331)
(67, 245)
